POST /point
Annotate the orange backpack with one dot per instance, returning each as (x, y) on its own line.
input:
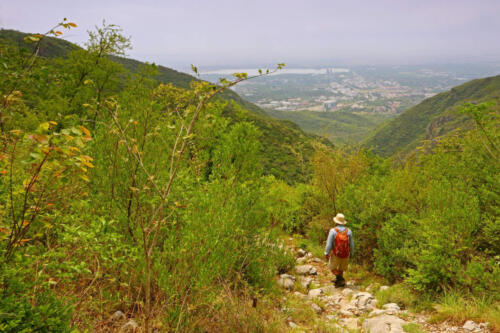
(341, 249)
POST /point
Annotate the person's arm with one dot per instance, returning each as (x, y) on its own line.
(329, 243)
(351, 244)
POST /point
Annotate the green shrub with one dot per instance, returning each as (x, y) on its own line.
(43, 313)
(405, 297)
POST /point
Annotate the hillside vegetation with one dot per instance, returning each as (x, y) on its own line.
(127, 204)
(433, 117)
(283, 143)
(341, 128)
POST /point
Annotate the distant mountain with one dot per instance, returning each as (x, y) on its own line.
(433, 117)
(286, 148)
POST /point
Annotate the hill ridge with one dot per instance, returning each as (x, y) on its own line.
(282, 139)
(432, 117)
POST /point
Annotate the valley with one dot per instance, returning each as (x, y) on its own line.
(354, 191)
(345, 104)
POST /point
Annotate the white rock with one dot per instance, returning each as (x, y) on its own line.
(470, 326)
(484, 325)
(306, 270)
(331, 317)
(384, 288)
(328, 289)
(316, 259)
(286, 283)
(372, 304)
(393, 310)
(384, 324)
(347, 291)
(301, 295)
(301, 252)
(328, 299)
(316, 308)
(376, 312)
(130, 326)
(293, 325)
(363, 302)
(306, 282)
(302, 260)
(349, 323)
(117, 316)
(391, 307)
(313, 293)
(287, 276)
(346, 313)
(309, 255)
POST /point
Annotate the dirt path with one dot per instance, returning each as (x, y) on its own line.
(313, 304)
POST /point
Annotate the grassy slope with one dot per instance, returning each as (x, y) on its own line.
(285, 145)
(434, 116)
(339, 127)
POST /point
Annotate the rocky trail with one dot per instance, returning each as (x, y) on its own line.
(348, 309)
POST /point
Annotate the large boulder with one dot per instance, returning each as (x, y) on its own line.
(384, 324)
(306, 270)
(362, 302)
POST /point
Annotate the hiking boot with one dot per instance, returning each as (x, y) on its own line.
(339, 281)
(340, 284)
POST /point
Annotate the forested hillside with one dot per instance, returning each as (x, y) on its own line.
(341, 128)
(283, 142)
(433, 117)
(132, 205)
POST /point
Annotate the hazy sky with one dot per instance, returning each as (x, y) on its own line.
(229, 33)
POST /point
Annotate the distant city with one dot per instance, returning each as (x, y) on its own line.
(363, 90)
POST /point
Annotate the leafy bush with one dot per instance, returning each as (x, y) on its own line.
(44, 313)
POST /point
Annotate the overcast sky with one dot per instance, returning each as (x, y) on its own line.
(232, 33)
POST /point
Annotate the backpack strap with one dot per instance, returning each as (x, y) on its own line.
(345, 231)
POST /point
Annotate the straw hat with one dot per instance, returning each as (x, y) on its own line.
(340, 219)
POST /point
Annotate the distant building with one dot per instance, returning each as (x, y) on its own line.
(329, 104)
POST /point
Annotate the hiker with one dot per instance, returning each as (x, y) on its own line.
(339, 240)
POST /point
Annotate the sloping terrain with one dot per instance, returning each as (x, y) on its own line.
(286, 148)
(314, 304)
(339, 127)
(433, 117)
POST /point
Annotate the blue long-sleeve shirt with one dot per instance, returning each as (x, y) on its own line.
(330, 242)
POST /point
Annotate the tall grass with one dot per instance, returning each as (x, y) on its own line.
(456, 307)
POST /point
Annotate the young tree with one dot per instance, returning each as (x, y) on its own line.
(169, 115)
(93, 75)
